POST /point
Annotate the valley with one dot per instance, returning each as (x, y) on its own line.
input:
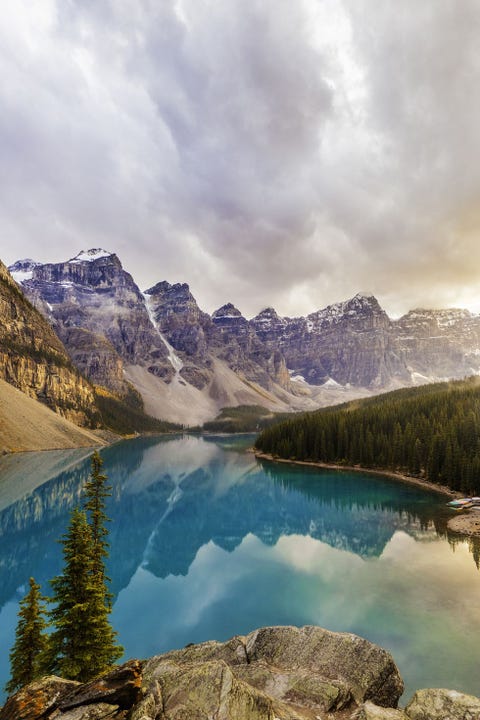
(185, 365)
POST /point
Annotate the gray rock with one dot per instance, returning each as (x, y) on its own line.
(99, 711)
(95, 294)
(367, 670)
(440, 704)
(370, 711)
(298, 670)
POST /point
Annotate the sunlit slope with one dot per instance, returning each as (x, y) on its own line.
(26, 424)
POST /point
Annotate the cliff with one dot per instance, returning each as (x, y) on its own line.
(278, 673)
(33, 359)
(28, 425)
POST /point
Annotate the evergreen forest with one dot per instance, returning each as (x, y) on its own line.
(432, 432)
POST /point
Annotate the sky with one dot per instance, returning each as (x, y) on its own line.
(267, 152)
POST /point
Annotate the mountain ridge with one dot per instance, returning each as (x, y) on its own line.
(176, 354)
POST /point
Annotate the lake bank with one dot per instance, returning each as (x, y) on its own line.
(467, 523)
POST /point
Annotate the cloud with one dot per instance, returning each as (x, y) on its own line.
(266, 152)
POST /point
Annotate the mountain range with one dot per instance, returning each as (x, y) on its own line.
(187, 364)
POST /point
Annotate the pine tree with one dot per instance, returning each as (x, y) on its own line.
(28, 653)
(83, 642)
(96, 491)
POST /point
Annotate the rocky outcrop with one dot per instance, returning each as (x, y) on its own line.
(277, 673)
(176, 315)
(436, 704)
(439, 704)
(96, 358)
(350, 342)
(285, 673)
(94, 294)
(33, 359)
(439, 343)
(37, 699)
(109, 696)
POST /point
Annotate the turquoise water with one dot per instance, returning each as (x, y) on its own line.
(206, 542)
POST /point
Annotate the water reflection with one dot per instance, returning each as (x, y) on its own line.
(206, 542)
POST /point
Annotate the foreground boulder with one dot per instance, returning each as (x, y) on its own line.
(276, 673)
(37, 699)
(440, 704)
(109, 696)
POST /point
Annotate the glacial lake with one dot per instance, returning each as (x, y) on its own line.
(207, 542)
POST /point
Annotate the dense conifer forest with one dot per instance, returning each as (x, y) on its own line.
(431, 432)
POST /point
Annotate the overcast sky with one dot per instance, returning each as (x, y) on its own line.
(267, 152)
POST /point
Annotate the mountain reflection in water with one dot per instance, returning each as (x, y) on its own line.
(207, 542)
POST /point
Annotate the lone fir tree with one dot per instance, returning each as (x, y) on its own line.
(96, 491)
(27, 656)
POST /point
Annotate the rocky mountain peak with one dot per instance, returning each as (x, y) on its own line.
(91, 255)
(443, 318)
(23, 269)
(94, 268)
(268, 325)
(363, 301)
(93, 292)
(166, 290)
(174, 304)
(227, 312)
(362, 309)
(266, 315)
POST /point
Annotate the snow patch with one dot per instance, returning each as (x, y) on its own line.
(90, 255)
(175, 361)
(331, 383)
(22, 270)
(21, 275)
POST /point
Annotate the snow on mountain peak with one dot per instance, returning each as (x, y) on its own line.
(90, 255)
(22, 270)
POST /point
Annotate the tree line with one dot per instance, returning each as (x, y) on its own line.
(81, 643)
(431, 432)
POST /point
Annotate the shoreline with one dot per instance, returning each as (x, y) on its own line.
(467, 523)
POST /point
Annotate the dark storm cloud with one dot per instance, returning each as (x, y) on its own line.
(268, 152)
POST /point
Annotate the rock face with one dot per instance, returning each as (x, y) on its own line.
(285, 673)
(349, 342)
(356, 343)
(277, 673)
(33, 359)
(94, 294)
(439, 343)
(108, 326)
